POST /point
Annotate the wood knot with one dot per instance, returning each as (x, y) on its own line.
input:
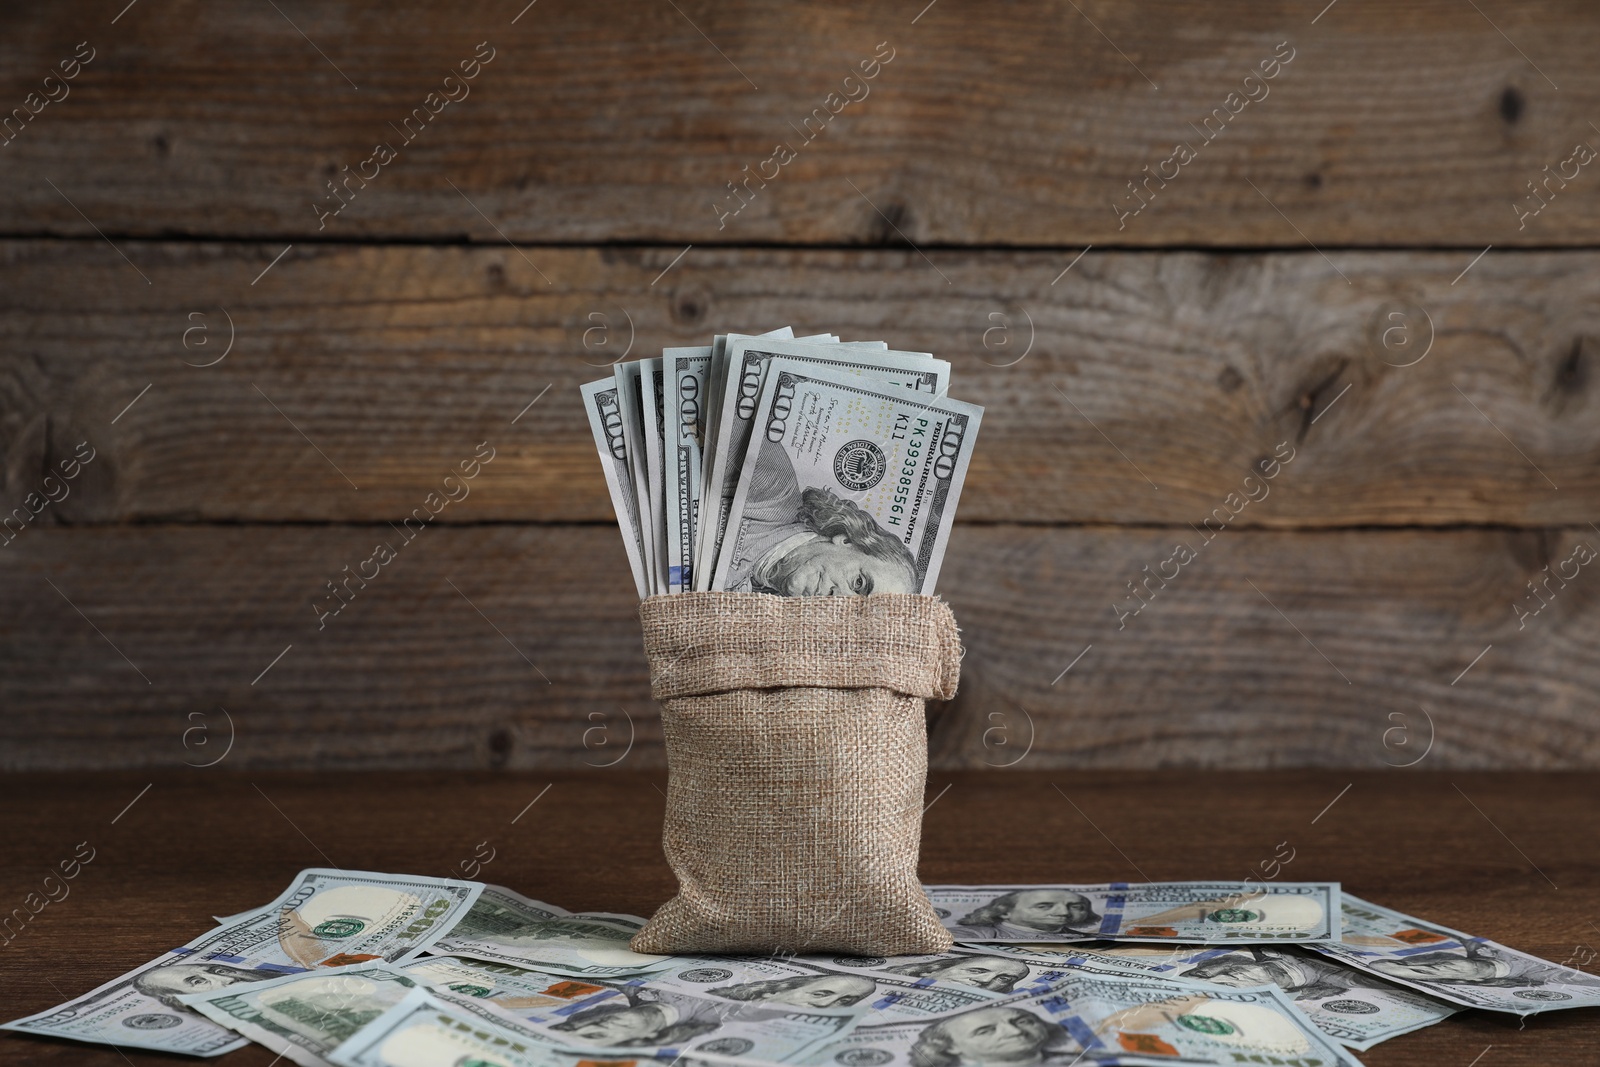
(690, 305)
(1512, 104)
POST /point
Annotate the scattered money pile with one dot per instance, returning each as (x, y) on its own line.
(376, 970)
(770, 464)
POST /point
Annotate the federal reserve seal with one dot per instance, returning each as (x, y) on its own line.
(860, 961)
(863, 1057)
(1541, 994)
(727, 1046)
(705, 974)
(859, 465)
(152, 1022)
(1351, 1007)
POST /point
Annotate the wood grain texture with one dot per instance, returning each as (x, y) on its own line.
(210, 843)
(1394, 122)
(1140, 388)
(1268, 649)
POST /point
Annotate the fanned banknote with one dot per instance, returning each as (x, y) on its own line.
(1201, 912)
(1355, 1009)
(603, 402)
(1471, 971)
(652, 400)
(717, 372)
(326, 918)
(627, 378)
(849, 486)
(1104, 1018)
(507, 927)
(743, 389)
(816, 984)
(684, 372)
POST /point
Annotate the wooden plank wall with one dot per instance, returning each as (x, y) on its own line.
(1379, 265)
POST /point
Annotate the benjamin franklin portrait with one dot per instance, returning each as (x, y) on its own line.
(810, 542)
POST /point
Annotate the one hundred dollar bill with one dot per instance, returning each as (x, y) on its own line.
(998, 970)
(652, 398)
(510, 988)
(1200, 912)
(603, 402)
(849, 487)
(428, 1028)
(742, 391)
(1471, 971)
(326, 918)
(1089, 1018)
(825, 984)
(685, 372)
(638, 1016)
(1355, 1009)
(507, 927)
(717, 374)
(630, 397)
(305, 1016)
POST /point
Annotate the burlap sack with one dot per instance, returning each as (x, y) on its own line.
(798, 758)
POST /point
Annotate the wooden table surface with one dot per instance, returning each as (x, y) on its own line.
(1458, 849)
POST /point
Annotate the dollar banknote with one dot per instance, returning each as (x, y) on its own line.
(428, 1028)
(1200, 912)
(603, 402)
(629, 398)
(849, 489)
(305, 1016)
(684, 371)
(326, 918)
(1089, 1018)
(507, 927)
(742, 392)
(1355, 1009)
(839, 984)
(717, 372)
(998, 970)
(512, 989)
(1471, 971)
(652, 399)
(640, 1016)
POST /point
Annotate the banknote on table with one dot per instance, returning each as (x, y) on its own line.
(1471, 971)
(1201, 912)
(627, 377)
(638, 1016)
(684, 371)
(326, 918)
(602, 401)
(742, 391)
(512, 989)
(1108, 1018)
(507, 927)
(1355, 1009)
(849, 487)
(817, 983)
(305, 1016)
(432, 1029)
(997, 969)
